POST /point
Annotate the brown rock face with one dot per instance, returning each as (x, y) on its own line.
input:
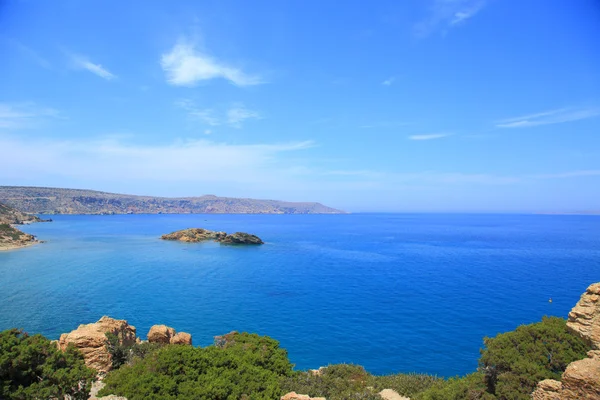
(90, 339)
(161, 334)
(584, 318)
(581, 379)
(296, 396)
(167, 335)
(182, 338)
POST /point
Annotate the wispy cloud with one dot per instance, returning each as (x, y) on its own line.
(568, 174)
(558, 116)
(82, 62)
(388, 81)
(234, 116)
(30, 53)
(106, 159)
(184, 65)
(24, 115)
(430, 136)
(446, 14)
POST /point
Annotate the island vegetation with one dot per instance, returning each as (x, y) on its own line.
(196, 235)
(42, 200)
(11, 237)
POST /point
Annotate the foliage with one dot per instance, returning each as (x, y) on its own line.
(470, 387)
(247, 366)
(335, 382)
(121, 354)
(514, 362)
(32, 367)
(406, 384)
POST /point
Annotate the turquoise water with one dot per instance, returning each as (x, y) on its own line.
(392, 292)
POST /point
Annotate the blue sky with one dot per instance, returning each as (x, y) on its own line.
(416, 105)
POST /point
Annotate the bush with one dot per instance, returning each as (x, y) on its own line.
(244, 367)
(32, 367)
(406, 384)
(514, 362)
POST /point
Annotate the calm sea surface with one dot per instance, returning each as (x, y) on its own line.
(392, 292)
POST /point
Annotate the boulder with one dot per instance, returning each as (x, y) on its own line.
(182, 338)
(584, 318)
(581, 379)
(167, 335)
(390, 394)
(296, 396)
(241, 238)
(194, 235)
(160, 334)
(91, 339)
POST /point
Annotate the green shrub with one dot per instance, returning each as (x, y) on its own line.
(406, 384)
(31, 367)
(246, 366)
(470, 387)
(514, 362)
(335, 382)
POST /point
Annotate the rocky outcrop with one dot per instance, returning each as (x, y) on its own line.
(390, 394)
(241, 238)
(296, 396)
(584, 318)
(160, 334)
(581, 379)
(194, 235)
(12, 238)
(167, 335)
(182, 338)
(91, 339)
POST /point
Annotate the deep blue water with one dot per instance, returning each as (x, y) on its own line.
(392, 292)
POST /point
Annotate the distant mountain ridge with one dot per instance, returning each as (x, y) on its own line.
(43, 200)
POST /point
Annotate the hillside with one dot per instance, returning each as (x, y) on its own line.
(41, 200)
(10, 237)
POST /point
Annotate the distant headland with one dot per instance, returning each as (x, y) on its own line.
(44, 200)
(11, 237)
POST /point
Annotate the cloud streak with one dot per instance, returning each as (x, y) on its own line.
(551, 117)
(184, 65)
(82, 62)
(446, 14)
(234, 116)
(24, 115)
(431, 136)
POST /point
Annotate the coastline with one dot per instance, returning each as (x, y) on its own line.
(18, 246)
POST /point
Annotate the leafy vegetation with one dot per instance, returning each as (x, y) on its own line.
(512, 363)
(240, 366)
(31, 367)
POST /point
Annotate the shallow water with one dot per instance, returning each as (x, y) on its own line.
(392, 292)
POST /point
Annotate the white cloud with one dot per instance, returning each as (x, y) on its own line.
(184, 65)
(234, 116)
(549, 117)
(24, 115)
(569, 174)
(207, 131)
(389, 81)
(82, 62)
(430, 136)
(29, 52)
(106, 159)
(238, 114)
(445, 14)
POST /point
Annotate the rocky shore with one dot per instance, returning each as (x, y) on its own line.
(11, 237)
(196, 235)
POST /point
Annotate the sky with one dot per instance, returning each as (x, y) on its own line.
(381, 106)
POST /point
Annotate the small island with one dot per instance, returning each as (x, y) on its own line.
(195, 235)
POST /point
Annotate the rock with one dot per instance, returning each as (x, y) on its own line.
(182, 338)
(296, 396)
(389, 394)
(91, 339)
(167, 335)
(581, 379)
(194, 235)
(241, 238)
(160, 334)
(96, 387)
(584, 318)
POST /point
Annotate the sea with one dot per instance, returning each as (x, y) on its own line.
(395, 293)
